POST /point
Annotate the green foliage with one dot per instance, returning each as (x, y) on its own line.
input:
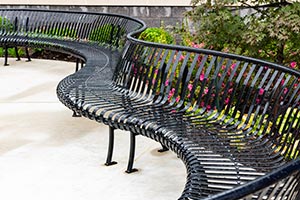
(65, 32)
(158, 35)
(5, 25)
(12, 52)
(270, 33)
(107, 33)
(220, 27)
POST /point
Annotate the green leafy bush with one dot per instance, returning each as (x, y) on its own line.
(271, 32)
(158, 35)
(5, 25)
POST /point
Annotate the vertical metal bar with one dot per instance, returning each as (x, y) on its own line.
(82, 63)
(77, 65)
(110, 148)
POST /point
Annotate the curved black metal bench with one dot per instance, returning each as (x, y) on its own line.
(233, 120)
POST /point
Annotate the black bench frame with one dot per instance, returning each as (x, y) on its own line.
(233, 120)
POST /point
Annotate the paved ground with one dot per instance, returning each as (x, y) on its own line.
(45, 154)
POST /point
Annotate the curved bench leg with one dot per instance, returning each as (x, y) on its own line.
(130, 168)
(78, 61)
(5, 56)
(163, 149)
(27, 54)
(17, 54)
(110, 148)
(77, 65)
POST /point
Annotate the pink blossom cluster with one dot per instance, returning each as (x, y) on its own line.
(171, 94)
(293, 64)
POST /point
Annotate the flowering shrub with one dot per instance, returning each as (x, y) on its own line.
(249, 97)
(271, 32)
(221, 29)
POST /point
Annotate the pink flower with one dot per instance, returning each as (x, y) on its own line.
(266, 67)
(230, 90)
(233, 66)
(171, 93)
(293, 64)
(257, 101)
(205, 90)
(208, 107)
(202, 104)
(189, 95)
(282, 81)
(156, 71)
(261, 91)
(202, 77)
(167, 82)
(227, 101)
(285, 91)
(201, 45)
(153, 81)
(190, 87)
(177, 99)
(182, 57)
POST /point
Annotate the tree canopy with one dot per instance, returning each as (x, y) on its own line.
(269, 30)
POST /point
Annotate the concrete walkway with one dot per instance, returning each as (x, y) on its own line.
(45, 154)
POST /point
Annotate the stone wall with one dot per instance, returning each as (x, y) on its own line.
(154, 16)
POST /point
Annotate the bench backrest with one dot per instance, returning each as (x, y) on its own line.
(249, 97)
(101, 28)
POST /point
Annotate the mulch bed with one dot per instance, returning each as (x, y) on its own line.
(46, 54)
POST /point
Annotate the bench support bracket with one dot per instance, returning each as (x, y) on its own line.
(76, 114)
(163, 149)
